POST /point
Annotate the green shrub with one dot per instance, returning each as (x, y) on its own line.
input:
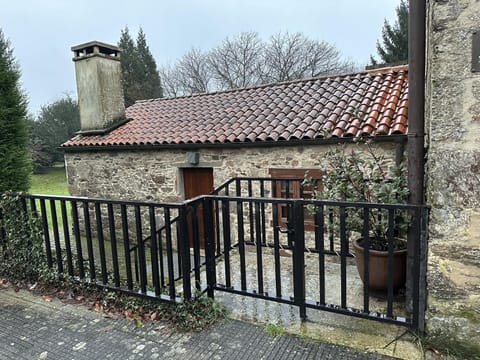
(197, 314)
(22, 255)
(363, 173)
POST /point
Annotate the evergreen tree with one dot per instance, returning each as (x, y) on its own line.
(141, 79)
(127, 61)
(56, 123)
(15, 164)
(394, 38)
(147, 71)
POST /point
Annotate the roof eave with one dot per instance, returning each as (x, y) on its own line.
(322, 141)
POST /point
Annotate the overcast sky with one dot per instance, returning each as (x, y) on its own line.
(42, 31)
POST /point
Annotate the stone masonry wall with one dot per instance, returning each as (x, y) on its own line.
(157, 175)
(453, 174)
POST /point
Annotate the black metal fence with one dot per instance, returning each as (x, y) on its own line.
(131, 246)
(251, 237)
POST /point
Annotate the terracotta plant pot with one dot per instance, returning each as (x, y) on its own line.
(378, 267)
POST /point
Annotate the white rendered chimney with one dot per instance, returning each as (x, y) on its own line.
(99, 87)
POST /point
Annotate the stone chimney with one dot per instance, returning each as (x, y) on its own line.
(99, 87)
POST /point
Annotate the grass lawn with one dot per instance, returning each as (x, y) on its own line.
(53, 182)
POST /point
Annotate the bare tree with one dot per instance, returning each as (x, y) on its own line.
(294, 56)
(194, 74)
(191, 74)
(246, 61)
(237, 62)
(170, 78)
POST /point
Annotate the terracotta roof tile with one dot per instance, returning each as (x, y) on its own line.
(367, 103)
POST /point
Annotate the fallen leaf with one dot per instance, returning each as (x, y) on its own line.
(98, 307)
(435, 351)
(138, 323)
(47, 298)
(154, 316)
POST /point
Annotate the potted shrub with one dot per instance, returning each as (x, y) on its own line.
(363, 174)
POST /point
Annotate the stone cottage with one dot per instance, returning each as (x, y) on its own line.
(163, 149)
(177, 148)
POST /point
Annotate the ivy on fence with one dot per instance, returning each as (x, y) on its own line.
(22, 256)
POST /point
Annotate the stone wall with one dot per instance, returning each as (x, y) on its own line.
(157, 175)
(453, 171)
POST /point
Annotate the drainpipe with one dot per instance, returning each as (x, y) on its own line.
(416, 101)
(416, 146)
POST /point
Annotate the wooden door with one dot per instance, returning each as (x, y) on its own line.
(197, 181)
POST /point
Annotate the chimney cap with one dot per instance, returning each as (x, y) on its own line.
(95, 43)
(95, 48)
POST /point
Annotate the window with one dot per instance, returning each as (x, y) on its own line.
(290, 186)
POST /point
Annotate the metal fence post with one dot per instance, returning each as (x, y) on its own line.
(298, 258)
(184, 252)
(209, 245)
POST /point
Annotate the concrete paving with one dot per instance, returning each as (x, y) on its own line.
(32, 328)
(361, 334)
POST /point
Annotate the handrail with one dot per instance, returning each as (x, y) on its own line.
(222, 186)
(100, 200)
(315, 202)
(249, 179)
(134, 248)
(158, 231)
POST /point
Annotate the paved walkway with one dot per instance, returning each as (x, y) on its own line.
(31, 328)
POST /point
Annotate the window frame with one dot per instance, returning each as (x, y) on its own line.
(295, 177)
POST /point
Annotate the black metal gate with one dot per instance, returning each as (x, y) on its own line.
(316, 238)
